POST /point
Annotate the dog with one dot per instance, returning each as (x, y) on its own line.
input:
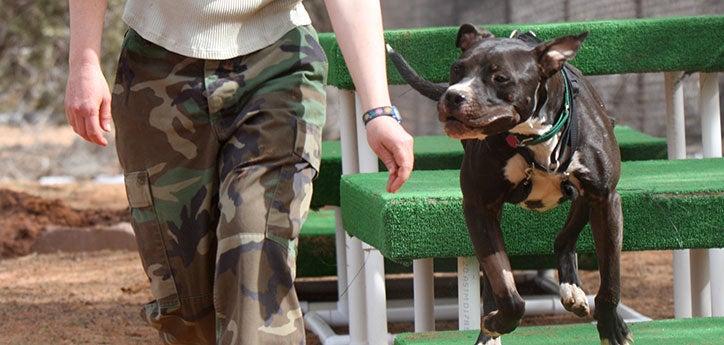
(535, 133)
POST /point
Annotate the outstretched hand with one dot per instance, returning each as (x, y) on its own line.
(393, 145)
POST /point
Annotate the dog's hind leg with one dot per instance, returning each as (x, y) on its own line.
(484, 226)
(607, 228)
(572, 296)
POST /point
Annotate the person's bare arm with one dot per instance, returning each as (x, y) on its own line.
(358, 26)
(87, 97)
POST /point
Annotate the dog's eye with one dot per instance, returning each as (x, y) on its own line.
(499, 78)
(457, 68)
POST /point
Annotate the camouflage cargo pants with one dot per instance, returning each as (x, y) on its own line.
(219, 158)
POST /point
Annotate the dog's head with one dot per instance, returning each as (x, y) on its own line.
(494, 85)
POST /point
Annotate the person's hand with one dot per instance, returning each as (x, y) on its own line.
(393, 145)
(88, 103)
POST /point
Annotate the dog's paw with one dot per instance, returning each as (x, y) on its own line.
(484, 339)
(628, 340)
(574, 299)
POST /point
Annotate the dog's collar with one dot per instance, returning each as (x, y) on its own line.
(515, 140)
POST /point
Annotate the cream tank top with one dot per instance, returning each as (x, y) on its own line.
(214, 29)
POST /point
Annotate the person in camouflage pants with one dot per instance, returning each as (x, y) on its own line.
(219, 158)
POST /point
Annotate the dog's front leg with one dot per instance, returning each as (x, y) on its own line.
(607, 228)
(572, 296)
(483, 223)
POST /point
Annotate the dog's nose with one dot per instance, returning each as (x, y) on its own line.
(454, 99)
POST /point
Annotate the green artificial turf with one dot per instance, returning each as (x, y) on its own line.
(438, 152)
(316, 250)
(326, 185)
(700, 331)
(666, 205)
(612, 47)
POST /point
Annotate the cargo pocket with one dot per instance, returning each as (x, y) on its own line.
(293, 194)
(150, 240)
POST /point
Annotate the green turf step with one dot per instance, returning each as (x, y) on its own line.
(441, 152)
(612, 47)
(316, 251)
(700, 331)
(666, 204)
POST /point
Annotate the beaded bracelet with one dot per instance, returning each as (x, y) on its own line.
(382, 111)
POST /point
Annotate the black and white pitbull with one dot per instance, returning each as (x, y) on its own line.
(535, 133)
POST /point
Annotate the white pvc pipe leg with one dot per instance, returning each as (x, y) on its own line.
(711, 140)
(700, 284)
(376, 296)
(468, 293)
(340, 246)
(356, 292)
(355, 289)
(424, 295)
(682, 284)
(676, 140)
(348, 132)
(710, 114)
(350, 165)
(374, 268)
(716, 262)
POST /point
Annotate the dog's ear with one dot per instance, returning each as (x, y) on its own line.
(468, 35)
(553, 54)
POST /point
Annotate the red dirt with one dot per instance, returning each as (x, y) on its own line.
(23, 217)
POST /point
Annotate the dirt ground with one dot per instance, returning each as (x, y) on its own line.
(94, 298)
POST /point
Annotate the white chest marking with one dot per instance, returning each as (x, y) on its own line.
(537, 126)
(545, 192)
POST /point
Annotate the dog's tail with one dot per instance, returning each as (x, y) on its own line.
(426, 88)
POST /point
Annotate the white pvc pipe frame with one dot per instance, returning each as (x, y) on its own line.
(698, 273)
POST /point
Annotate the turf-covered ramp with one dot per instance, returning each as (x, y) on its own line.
(612, 47)
(439, 152)
(701, 331)
(666, 205)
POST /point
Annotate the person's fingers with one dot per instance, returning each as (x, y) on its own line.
(93, 130)
(105, 114)
(76, 114)
(389, 161)
(69, 117)
(404, 159)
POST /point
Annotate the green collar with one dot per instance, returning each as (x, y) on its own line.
(517, 140)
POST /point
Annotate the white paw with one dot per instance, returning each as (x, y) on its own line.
(493, 341)
(574, 299)
(627, 341)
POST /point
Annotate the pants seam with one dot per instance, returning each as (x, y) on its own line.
(281, 173)
(159, 228)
